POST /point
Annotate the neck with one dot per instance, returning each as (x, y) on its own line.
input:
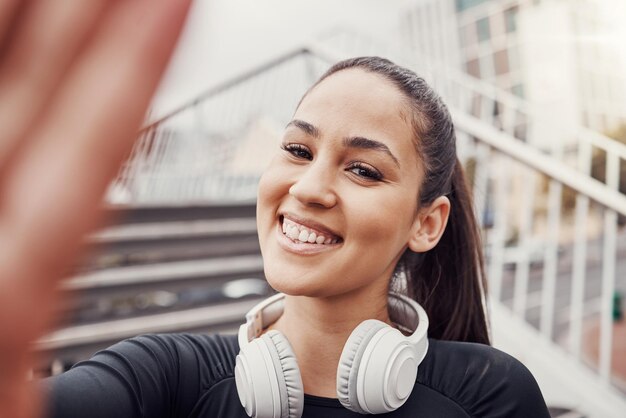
(318, 328)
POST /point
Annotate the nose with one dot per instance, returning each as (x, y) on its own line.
(315, 186)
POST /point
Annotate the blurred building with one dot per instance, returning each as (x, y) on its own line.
(563, 56)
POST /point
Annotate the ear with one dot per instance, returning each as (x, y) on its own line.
(429, 224)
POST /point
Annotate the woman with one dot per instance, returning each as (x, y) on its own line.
(366, 195)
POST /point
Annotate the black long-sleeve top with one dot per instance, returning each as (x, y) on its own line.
(192, 375)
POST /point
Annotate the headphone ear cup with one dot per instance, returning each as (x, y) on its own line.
(348, 368)
(290, 380)
(268, 378)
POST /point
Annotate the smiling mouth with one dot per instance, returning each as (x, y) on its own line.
(300, 234)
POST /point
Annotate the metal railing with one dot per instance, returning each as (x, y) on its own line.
(202, 151)
(554, 257)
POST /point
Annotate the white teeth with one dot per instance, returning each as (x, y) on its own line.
(299, 233)
(293, 232)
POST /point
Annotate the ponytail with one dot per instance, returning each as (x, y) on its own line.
(449, 280)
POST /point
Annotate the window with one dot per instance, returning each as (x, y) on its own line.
(501, 62)
(482, 28)
(466, 4)
(473, 68)
(510, 19)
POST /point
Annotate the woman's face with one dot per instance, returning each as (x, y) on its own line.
(343, 188)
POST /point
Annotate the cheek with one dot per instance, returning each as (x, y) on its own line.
(382, 219)
(273, 185)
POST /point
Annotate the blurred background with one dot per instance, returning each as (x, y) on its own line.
(537, 89)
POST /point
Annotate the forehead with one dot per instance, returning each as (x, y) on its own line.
(355, 102)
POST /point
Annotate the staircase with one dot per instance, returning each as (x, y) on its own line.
(160, 269)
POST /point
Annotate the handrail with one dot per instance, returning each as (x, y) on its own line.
(246, 75)
(602, 141)
(555, 169)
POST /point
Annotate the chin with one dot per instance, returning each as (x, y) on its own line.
(294, 283)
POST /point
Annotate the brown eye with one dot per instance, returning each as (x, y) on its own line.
(298, 151)
(366, 172)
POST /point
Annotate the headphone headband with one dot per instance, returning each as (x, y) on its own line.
(402, 310)
(259, 317)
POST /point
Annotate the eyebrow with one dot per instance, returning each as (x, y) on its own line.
(350, 142)
(306, 127)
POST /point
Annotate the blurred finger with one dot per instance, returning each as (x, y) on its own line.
(47, 39)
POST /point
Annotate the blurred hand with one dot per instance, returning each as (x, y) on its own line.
(76, 77)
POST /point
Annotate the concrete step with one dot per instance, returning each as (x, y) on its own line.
(72, 344)
(139, 252)
(161, 241)
(153, 231)
(119, 214)
(132, 276)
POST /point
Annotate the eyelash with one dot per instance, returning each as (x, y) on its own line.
(364, 171)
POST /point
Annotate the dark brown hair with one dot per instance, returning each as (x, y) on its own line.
(449, 280)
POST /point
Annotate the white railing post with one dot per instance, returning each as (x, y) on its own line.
(579, 261)
(481, 180)
(498, 232)
(608, 273)
(525, 230)
(548, 292)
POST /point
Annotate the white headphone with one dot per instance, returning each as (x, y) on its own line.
(376, 373)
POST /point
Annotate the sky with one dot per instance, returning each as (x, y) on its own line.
(223, 38)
